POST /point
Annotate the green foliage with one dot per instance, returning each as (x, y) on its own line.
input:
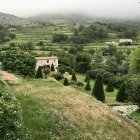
(46, 71)
(39, 73)
(110, 87)
(59, 38)
(95, 32)
(133, 89)
(56, 75)
(65, 83)
(18, 62)
(88, 87)
(74, 78)
(122, 95)
(79, 84)
(26, 46)
(5, 36)
(87, 78)
(52, 67)
(65, 59)
(98, 90)
(11, 125)
(82, 62)
(135, 61)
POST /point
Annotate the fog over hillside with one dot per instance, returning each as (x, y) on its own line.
(128, 9)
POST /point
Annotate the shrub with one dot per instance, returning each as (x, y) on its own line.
(88, 87)
(122, 95)
(110, 87)
(11, 125)
(133, 89)
(39, 73)
(105, 75)
(87, 78)
(52, 67)
(56, 75)
(79, 84)
(65, 83)
(98, 90)
(73, 78)
(18, 62)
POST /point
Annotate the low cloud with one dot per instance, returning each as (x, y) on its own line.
(98, 8)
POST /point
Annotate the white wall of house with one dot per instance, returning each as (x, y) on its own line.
(41, 61)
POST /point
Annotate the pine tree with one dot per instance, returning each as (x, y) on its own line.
(65, 83)
(87, 78)
(39, 73)
(52, 67)
(110, 87)
(74, 78)
(87, 87)
(98, 90)
(122, 95)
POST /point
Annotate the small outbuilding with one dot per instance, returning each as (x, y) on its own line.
(125, 42)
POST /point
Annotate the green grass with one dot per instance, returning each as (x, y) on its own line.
(52, 111)
(110, 96)
(136, 116)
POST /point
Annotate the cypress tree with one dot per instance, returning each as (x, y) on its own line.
(52, 67)
(87, 87)
(73, 78)
(65, 83)
(87, 78)
(39, 73)
(122, 95)
(98, 90)
(110, 87)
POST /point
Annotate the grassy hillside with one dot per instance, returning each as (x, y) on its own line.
(54, 112)
(7, 19)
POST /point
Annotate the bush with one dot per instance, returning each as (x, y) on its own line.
(56, 75)
(52, 67)
(105, 75)
(73, 78)
(88, 87)
(11, 125)
(122, 95)
(98, 90)
(65, 83)
(79, 84)
(133, 89)
(87, 78)
(39, 73)
(18, 62)
(110, 87)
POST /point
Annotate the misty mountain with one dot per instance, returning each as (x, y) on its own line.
(8, 19)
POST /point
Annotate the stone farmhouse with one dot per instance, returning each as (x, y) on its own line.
(48, 61)
(125, 42)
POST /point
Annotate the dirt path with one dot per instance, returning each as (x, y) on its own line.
(8, 76)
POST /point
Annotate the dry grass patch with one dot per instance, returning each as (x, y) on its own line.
(89, 118)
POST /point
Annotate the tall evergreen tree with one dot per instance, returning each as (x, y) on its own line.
(110, 87)
(74, 78)
(88, 87)
(122, 95)
(98, 90)
(65, 83)
(52, 67)
(39, 73)
(87, 78)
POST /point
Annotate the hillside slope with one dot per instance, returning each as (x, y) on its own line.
(54, 112)
(7, 19)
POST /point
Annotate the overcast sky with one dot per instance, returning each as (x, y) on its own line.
(102, 8)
